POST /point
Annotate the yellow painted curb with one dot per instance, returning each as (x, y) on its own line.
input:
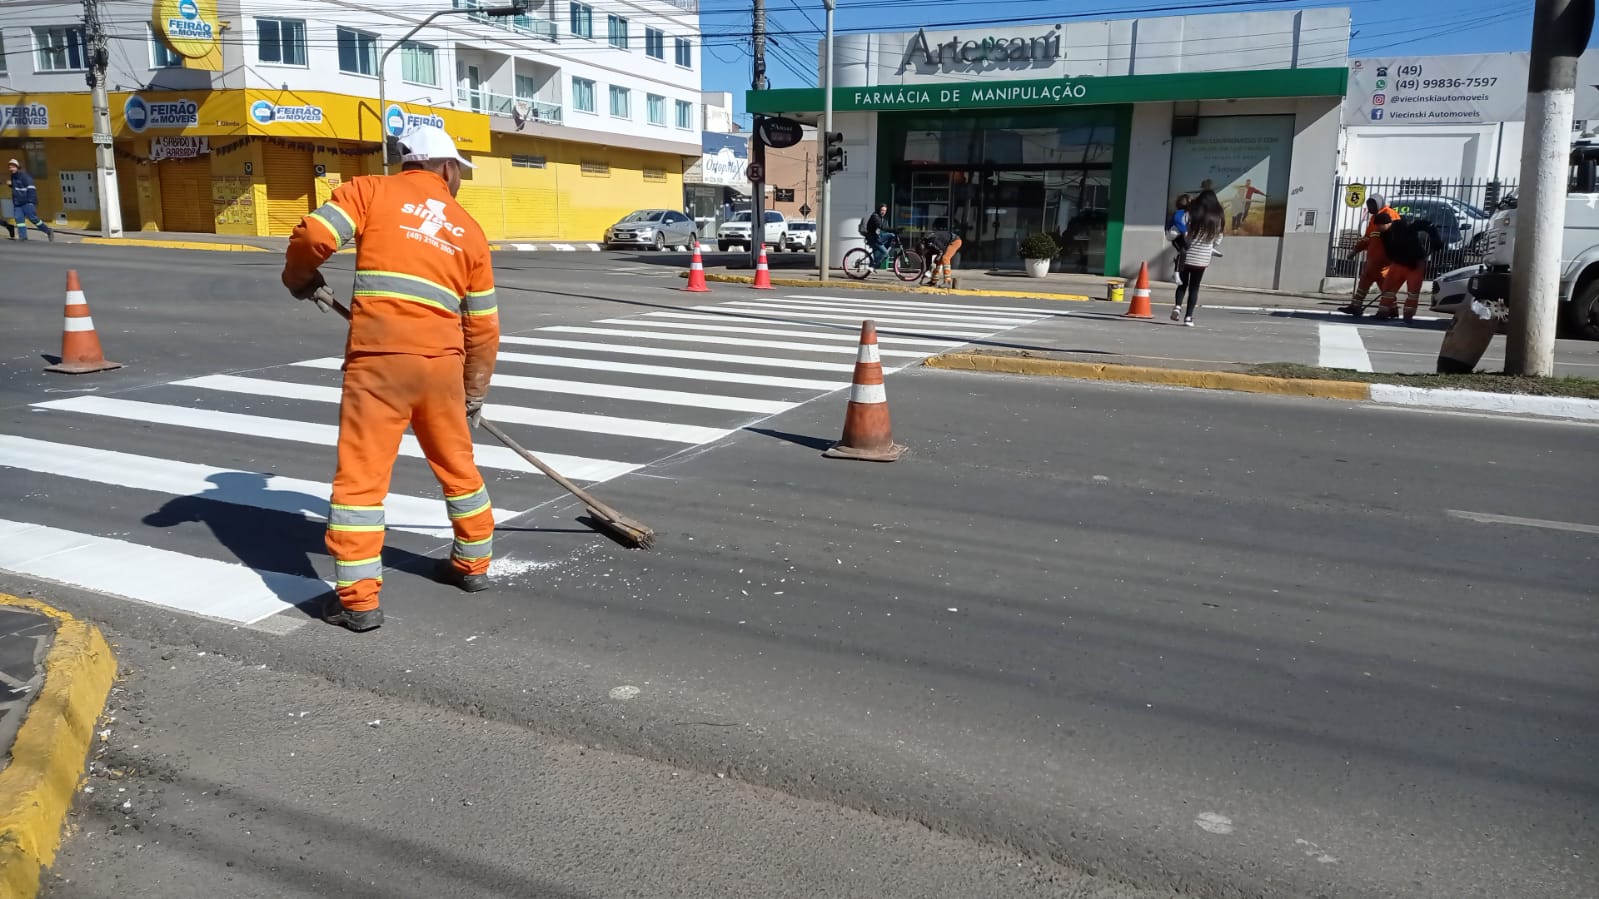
(893, 288)
(47, 758)
(1210, 380)
(177, 245)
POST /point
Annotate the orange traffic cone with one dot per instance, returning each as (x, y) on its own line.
(80, 346)
(763, 275)
(867, 435)
(696, 274)
(1140, 306)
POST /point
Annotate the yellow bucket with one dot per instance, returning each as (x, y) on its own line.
(1115, 290)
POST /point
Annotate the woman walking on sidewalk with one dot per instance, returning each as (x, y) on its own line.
(1204, 235)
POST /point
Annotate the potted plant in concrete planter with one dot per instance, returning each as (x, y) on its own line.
(1037, 250)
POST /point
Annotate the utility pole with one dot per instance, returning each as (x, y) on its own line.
(1560, 31)
(824, 217)
(105, 157)
(758, 146)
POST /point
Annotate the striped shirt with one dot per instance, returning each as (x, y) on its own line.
(1198, 253)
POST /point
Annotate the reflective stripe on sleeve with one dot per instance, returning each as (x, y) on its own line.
(482, 302)
(336, 220)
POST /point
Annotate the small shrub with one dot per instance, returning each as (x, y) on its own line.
(1039, 246)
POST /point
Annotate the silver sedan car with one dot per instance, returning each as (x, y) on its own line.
(654, 228)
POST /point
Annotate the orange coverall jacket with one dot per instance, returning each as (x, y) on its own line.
(424, 281)
(1376, 257)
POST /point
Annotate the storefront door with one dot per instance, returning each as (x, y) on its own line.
(997, 178)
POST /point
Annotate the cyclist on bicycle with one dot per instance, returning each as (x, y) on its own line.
(876, 237)
(939, 247)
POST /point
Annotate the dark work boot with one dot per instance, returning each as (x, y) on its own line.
(445, 572)
(335, 613)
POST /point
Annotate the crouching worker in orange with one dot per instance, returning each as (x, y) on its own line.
(424, 332)
(1408, 243)
(1375, 267)
(939, 248)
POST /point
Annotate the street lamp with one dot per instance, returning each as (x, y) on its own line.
(517, 8)
(824, 222)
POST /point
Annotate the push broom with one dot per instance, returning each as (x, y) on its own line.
(607, 519)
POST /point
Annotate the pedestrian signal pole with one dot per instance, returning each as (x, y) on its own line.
(824, 219)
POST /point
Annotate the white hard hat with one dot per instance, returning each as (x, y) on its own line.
(424, 142)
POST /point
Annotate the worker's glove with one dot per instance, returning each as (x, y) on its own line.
(308, 290)
(474, 410)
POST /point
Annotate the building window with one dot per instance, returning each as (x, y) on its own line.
(583, 20)
(595, 169)
(161, 56)
(358, 52)
(2, 54)
(616, 31)
(526, 87)
(519, 161)
(419, 64)
(657, 109)
(655, 174)
(685, 115)
(685, 52)
(280, 41)
(582, 95)
(60, 49)
(621, 103)
(654, 43)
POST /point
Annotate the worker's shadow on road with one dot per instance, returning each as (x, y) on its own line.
(266, 531)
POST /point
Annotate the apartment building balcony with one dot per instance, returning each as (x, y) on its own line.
(530, 26)
(525, 108)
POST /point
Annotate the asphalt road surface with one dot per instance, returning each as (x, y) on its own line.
(1184, 641)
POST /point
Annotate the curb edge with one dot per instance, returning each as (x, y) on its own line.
(892, 288)
(1171, 377)
(48, 755)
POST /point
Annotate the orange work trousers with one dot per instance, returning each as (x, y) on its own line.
(383, 393)
(1372, 271)
(1409, 277)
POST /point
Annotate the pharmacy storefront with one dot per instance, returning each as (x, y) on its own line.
(1087, 132)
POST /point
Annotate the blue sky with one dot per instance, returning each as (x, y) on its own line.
(1381, 27)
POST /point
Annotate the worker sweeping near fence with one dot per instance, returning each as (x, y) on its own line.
(1408, 242)
(1375, 267)
(424, 333)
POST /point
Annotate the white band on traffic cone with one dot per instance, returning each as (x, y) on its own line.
(85, 323)
(76, 298)
(868, 353)
(868, 394)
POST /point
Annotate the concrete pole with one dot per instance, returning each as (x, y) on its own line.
(824, 218)
(758, 146)
(1560, 30)
(105, 157)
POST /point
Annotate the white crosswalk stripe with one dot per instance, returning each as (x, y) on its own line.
(157, 493)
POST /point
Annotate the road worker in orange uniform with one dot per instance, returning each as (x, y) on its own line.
(424, 332)
(1375, 269)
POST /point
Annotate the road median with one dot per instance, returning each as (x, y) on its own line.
(1565, 398)
(47, 755)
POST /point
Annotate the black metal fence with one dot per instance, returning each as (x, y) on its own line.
(1459, 209)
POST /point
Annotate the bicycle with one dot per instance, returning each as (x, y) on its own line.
(908, 265)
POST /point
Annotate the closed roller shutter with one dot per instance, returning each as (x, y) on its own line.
(530, 212)
(290, 178)
(485, 204)
(186, 195)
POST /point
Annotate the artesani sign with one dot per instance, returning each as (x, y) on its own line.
(955, 52)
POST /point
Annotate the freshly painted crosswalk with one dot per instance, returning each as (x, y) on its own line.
(144, 494)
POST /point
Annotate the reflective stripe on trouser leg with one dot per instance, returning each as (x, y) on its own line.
(1411, 303)
(474, 543)
(379, 393)
(1389, 300)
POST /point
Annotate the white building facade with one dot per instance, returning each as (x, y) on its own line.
(227, 114)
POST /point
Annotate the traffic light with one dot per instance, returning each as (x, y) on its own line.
(832, 153)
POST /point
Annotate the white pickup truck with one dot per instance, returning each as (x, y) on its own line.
(735, 232)
(1579, 251)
